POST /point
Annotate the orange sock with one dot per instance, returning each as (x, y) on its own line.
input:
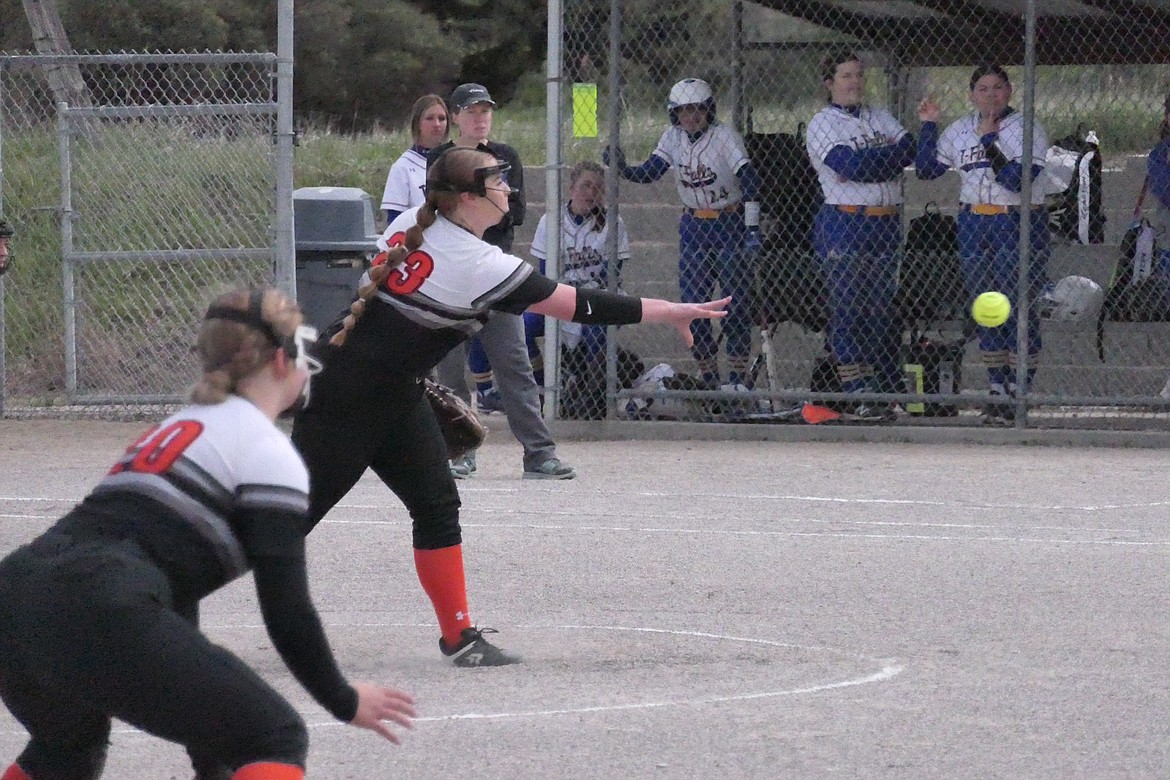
(441, 574)
(267, 770)
(14, 772)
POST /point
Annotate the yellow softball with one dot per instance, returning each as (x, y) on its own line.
(991, 309)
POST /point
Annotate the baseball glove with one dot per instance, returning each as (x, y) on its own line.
(461, 428)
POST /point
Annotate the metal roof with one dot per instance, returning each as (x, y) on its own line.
(962, 32)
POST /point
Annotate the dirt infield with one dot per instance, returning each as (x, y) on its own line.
(725, 609)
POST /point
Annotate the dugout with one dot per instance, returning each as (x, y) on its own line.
(909, 38)
(335, 239)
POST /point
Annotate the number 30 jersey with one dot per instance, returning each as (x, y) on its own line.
(203, 493)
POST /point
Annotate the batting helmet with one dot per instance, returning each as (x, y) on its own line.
(690, 92)
(6, 230)
(1072, 299)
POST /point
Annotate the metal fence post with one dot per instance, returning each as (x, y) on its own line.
(285, 240)
(554, 161)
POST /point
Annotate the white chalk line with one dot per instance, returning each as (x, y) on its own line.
(888, 671)
(793, 534)
(908, 502)
(469, 512)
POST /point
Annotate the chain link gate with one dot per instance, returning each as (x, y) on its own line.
(891, 326)
(136, 202)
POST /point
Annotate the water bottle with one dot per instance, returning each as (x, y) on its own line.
(946, 377)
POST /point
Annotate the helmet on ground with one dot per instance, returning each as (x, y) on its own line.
(690, 92)
(1072, 299)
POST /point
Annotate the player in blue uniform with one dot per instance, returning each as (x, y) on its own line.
(986, 147)
(719, 231)
(858, 152)
(585, 262)
(1158, 171)
(99, 615)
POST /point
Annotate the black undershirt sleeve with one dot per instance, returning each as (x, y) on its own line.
(274, 539)
(594, 307)
(282, 587)
(535, 288)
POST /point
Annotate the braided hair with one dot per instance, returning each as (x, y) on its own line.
(448, 177)
(231, 351)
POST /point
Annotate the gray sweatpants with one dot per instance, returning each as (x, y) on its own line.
(503, 341)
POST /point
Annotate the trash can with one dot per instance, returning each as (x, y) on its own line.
(335, 240)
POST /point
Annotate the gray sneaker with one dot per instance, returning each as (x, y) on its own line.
(463, 466)
(473, 650)
(550, 469)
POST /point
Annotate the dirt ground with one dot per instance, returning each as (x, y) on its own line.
(709, 609)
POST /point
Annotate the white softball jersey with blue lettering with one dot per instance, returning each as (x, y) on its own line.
(583, 253)
(704, 170)
(404, 183)
(959, 147)
(831, 127)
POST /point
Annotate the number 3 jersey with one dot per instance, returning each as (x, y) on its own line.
(203, 493)
(436, 297)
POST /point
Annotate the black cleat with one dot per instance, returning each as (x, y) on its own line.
(999, 414)
(473, 650)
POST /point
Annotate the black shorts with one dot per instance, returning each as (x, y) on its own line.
(391, 430)
(88, 632)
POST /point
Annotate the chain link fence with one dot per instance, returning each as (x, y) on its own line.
(140, 186)
(877, 230)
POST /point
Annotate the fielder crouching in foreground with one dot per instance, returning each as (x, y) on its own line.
(99, 615)
(432, 290)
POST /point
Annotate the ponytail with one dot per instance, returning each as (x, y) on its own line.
(383, 264)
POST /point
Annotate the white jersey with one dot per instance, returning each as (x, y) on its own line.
(704, 170)
(404, 183)
(833, 126)
(203, 464)
(583, 256)
(959, 147)
(471, 276)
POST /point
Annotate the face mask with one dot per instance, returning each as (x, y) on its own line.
(303, 338)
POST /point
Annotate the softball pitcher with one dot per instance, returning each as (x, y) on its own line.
(434, 289)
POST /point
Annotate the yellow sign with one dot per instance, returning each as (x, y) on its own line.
(584, 110)
(914, 385)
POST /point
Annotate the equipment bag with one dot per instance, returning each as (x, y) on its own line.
(790, 193)
(1138, 291)
(788, 282)
(1072, 184)
(930, 282)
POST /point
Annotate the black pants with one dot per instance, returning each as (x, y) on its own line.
(349, 427)
(88, 632)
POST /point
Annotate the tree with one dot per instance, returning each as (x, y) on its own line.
(357, 61)
(44, 21)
